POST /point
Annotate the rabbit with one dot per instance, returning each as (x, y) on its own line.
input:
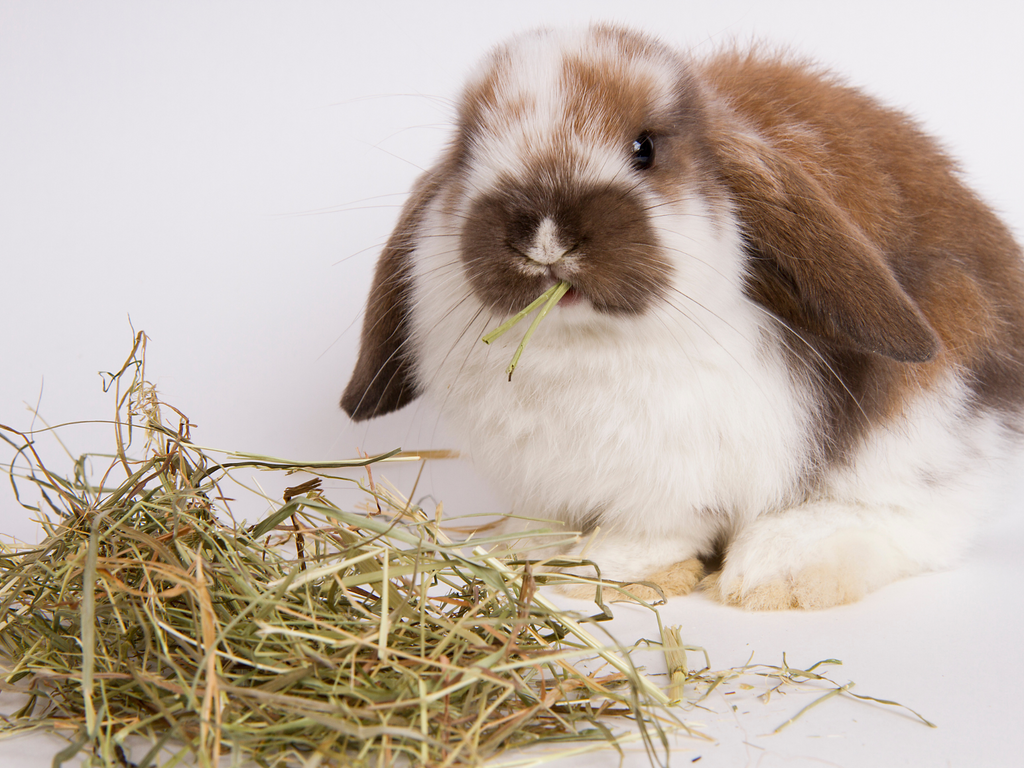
(792, 349)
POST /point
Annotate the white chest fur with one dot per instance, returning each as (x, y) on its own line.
(647, 422)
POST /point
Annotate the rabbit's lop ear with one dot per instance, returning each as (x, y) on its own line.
(810, 264)
(384, 378)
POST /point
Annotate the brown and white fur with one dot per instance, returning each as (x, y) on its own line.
(794, 337)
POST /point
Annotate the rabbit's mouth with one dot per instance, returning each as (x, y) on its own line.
(571, 297)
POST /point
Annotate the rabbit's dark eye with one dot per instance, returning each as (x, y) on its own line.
(643, 151)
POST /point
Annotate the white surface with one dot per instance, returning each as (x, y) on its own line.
(224, 174)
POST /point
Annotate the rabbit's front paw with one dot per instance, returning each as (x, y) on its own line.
(677, 579)
(817, 586)
(789, 562)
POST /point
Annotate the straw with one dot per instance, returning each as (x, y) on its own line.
(702, 682)
(549, 299)
(148, 626)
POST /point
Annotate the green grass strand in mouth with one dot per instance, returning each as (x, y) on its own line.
(549, 299)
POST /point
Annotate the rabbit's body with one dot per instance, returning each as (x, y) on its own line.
(793, 334)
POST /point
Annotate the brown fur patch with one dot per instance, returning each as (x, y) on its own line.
(384, 377)
(890, 191)
(613, 258)
(607, 101)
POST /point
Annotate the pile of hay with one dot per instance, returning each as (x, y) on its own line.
(146, 628)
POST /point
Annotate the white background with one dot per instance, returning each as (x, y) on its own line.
(222, 175)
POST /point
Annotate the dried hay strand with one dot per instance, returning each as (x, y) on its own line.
(690, 687)
(546, 301)
(144, 624)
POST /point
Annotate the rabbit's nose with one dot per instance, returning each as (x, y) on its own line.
(546, 247)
